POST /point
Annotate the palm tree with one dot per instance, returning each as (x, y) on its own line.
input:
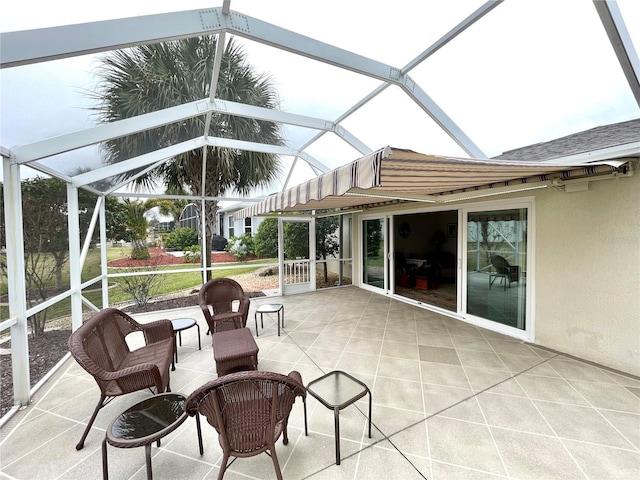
(137, 227)
(148, 78)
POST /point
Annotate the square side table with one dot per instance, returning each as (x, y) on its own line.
(269, 308)
(337, 390)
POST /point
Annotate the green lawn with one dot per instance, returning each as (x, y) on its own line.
(168, 283)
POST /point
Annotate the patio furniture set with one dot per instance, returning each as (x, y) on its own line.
(248, 408)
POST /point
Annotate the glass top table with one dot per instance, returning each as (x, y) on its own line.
(180, 324)
(269, 308)
(144, 423)
(337, 390)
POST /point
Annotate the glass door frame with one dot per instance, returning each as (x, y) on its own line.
(387, 226)
(528, 333)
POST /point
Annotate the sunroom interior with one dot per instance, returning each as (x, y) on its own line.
(326, 123)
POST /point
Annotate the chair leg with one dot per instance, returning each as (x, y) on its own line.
(80, 444)
(304, 404)
(274, 458)
(223, 465)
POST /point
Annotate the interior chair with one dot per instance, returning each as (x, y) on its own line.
(503, 270)
(100, 347)
(249, 410)
(217, 298)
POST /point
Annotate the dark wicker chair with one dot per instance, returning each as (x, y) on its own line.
(99, 346)
(250, 411)
(216, 298)
(507, 273)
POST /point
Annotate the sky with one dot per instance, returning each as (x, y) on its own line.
(530, 71)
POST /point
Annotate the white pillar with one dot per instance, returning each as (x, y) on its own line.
(16, 282)
(75, 265)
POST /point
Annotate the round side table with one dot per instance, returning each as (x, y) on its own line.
(180, 324)
(144, 423)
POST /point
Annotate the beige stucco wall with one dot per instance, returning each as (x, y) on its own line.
(587, 272)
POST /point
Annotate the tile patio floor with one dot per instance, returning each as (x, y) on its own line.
(451, 401)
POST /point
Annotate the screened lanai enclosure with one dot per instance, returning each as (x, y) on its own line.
(358, 88)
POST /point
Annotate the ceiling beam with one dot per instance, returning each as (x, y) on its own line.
(614, 25)
(166, 153)
(43, 44)
(63, 143)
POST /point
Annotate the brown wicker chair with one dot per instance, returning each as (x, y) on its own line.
(249, 410)
(503, 270)
(216, 299)
(99, 346)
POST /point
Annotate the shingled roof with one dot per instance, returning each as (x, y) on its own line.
(597, 138)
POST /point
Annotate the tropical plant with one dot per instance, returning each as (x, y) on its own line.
(192, 254)
(148, 78)
(137, 227)
(241, 247)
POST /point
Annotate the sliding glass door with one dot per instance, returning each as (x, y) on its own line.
(496, 253)
(374, 247)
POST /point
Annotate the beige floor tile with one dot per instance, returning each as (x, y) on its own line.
(399, 368)
(515, 413)
(438, 397)
(628, 424)
(386, 392)
(408, 351)
(551, 389)
(464, 444)
(447, 356)
(581, 423)
(600, 462)
(384, 454)
(612, 397)
(441, 374)
(529, 456)
(445, 471)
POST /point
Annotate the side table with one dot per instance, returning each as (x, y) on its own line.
(180, 324)
(337, 390)
(144, 423)
(269, 308)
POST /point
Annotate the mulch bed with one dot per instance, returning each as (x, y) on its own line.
(44, 352)
(160, 257)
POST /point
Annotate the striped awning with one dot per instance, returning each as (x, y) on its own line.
(392, 175)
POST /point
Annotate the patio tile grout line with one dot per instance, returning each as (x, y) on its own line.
(387, 437)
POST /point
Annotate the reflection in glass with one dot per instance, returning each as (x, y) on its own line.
(373, 248)
(496, 266)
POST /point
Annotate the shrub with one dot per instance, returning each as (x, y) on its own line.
(182, 238)
(241, 247)
(141, 287)
(266, 239)
(192, 254)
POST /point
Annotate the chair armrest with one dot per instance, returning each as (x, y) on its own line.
(136, 377)
(157, 331)
(300, 390)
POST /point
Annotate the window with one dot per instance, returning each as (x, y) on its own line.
(231, 226)
(247, 225)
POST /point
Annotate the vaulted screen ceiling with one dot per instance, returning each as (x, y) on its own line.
(474, 80)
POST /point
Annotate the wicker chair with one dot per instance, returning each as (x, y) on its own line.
(99, 346)
(503, 270)
(216, 300)
(250, 411)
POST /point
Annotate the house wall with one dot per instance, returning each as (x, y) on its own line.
(588, 272)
